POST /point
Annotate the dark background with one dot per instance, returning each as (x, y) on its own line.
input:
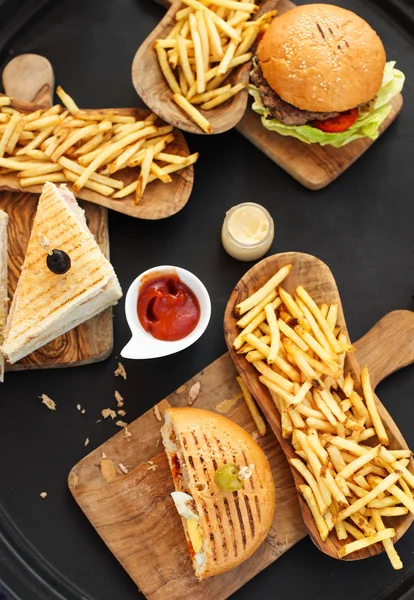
(362, 226)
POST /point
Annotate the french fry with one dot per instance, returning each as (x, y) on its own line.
(166, 70)
(372, 408)
(67, 101)
(144, 175)
(93, 185)
(8, 132)
(160, 173)
(385, 484)
(235, 5)
(184, 62)
(5, 100)
(224, 96)
(121, 161)
(280, 381)
(40, 170)
(77, 135)
(311, 481)
(193, 112)
(204, 38)
(251, 405)
(203, 98)
(260, 294)
(110, 152)
(38, 180)
(359, 462)
(42, 122)
(214, 37)
(74, 167)
(319, 520)
(387, 543)
(364, 543)
(402, 497)
(274, 333)
(198, 52)
(220, 23)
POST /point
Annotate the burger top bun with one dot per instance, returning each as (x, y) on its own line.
(322, 58)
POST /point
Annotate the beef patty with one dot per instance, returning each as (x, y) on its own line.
(281, 110)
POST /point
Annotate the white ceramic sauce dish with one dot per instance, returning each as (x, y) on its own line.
(143, 345)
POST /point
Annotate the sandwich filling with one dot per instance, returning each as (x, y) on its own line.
(184, 502)
(332, 128)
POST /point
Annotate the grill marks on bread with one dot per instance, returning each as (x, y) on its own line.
(228, 526)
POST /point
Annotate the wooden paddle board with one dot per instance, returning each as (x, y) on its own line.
(92, 341)
(133, 512)
(312, 165)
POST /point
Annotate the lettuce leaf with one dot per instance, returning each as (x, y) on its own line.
(367, 124)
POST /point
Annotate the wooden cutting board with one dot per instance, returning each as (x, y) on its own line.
(92, 341)
(312, 165)
(134, 514)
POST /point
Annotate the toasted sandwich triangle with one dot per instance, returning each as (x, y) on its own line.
(46, 305)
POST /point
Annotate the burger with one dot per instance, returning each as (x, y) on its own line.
(224, 489)
(320, 75)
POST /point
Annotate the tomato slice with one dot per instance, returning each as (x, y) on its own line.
(338, 124)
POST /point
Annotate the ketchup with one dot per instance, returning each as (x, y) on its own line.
(167, 308)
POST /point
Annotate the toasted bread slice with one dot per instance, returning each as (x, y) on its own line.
(232, 525)
(3, 283)
(46, 305)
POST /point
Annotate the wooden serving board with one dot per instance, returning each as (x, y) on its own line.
(159, 201)
(134, 514)
(92, 341)
(312, 165)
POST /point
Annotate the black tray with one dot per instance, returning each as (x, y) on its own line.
(361, 226)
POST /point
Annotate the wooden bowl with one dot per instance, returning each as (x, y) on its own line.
(317, 279)
(153, 89)
(34, 74)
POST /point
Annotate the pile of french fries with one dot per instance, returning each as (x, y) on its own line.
(353, 479)
(85, 148)
(210, 39)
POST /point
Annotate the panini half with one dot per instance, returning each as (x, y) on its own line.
(3, 283)
(46, 305)
(223, 529)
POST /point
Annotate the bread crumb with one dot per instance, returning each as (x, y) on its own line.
(181, 389)
(99, 421)
(193, 393)
(123, 468)
(255, 435)
(151, 467)
(86, 441)
(127, 434)
(121, 423)
(48, 402)
(83, 411)
(120, 371)
(103, 455)
(43, 495)
(108, 412)
(119, 399)
(158, 442)
(108, 469)
(121, 413)
(157, 413)
(78, 406)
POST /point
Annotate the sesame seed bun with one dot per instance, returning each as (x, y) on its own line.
(323, 58)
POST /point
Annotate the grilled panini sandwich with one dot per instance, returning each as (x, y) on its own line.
(223, 528)
(47, 304)
(3, 283)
